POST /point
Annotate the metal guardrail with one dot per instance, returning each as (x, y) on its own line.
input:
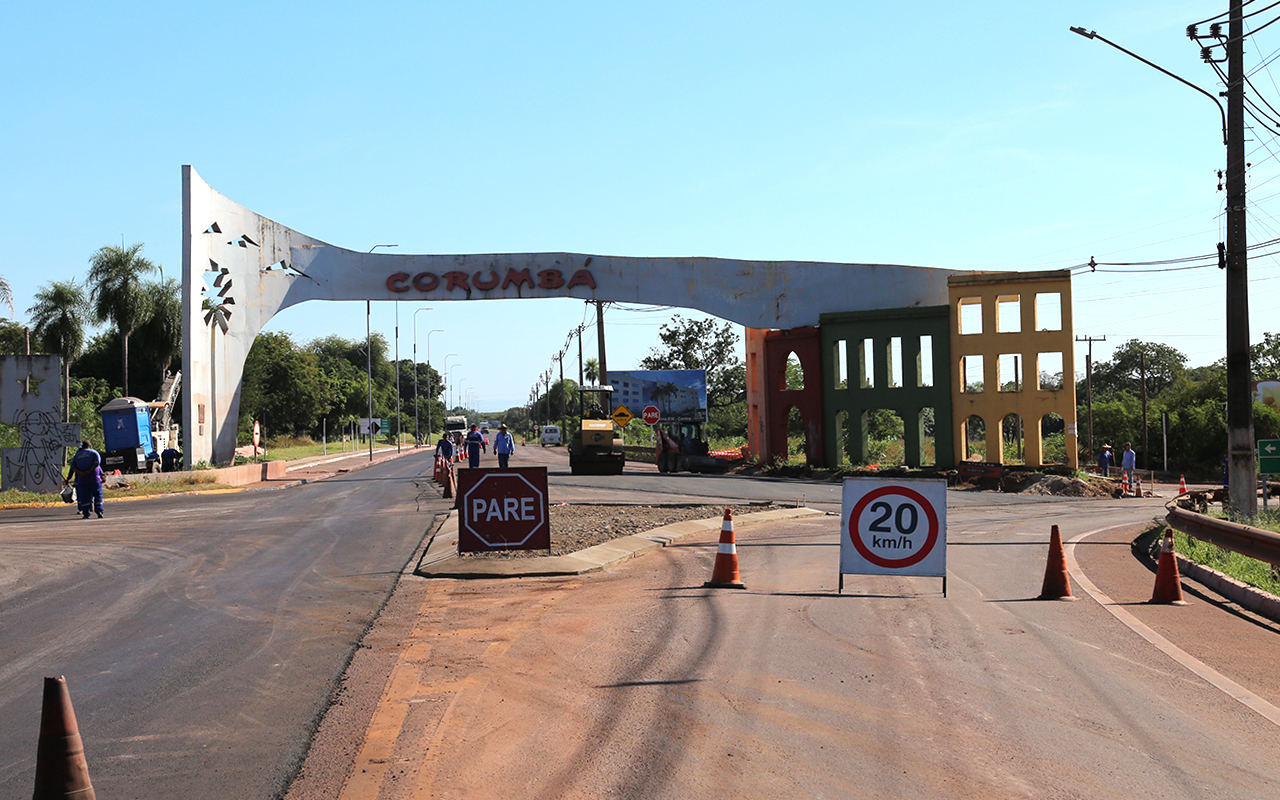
(1243, 539)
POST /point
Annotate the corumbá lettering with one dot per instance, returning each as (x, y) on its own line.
(487, 280)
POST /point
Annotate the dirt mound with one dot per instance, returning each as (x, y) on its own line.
(1050, 484)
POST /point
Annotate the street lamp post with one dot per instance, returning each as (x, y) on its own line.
(447, 368)
(416, 435)
(1242, 474)
(437, 330)
(368, 347)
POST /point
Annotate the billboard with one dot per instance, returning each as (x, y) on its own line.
(680, 394)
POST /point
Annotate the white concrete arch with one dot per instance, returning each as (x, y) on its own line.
(240, 268)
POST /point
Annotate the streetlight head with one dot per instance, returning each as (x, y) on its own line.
(1084, 33)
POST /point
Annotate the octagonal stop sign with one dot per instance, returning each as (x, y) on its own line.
(503, 509)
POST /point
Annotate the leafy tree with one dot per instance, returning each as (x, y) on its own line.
(117, 294)
(13, 338)
(283, 387)
(1264, 358)
(58, 320)
(1123, 372)
(704, 344)
(160, 336)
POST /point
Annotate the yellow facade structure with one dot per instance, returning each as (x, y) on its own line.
(1012, 364)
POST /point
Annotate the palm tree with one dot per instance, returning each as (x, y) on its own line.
(6, 294)
(117, 293)
(161, 333)
(58, 320)
(592, 370)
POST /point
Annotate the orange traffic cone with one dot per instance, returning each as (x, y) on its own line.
(448, 480)
(1182, 484)
(1137, 486)
(1124, 485)
(1057, 583)
(1168, 590)
(435, 474)
(725, 573)
(61, 769)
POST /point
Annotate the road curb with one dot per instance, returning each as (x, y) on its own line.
(440, 560)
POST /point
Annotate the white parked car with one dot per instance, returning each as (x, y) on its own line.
(550, 435)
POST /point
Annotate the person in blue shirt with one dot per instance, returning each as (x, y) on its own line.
(474, 441)
(1105, 459)
(1128, 461)
(445, 447)
(504, 444)
(86, 471)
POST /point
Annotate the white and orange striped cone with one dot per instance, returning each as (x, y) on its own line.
(1124, 484)
(1168, 588)
(1182, 484)
(725, 573)
(1137, 486)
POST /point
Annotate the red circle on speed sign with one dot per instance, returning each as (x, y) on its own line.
(893, 511)
(651, 415)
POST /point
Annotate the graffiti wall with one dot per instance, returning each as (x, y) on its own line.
(30, 391)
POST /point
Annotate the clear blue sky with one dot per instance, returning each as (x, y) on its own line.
(956, 135)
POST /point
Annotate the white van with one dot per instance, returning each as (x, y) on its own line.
(550, 435)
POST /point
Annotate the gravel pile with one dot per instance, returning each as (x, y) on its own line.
(575, 528)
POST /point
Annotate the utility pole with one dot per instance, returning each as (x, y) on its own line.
(604, 370)
(1088, 384)
(1242, 474)
(1240, 443)
(563, 424)
(1146, 447)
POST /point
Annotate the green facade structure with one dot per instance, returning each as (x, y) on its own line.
(874, 346)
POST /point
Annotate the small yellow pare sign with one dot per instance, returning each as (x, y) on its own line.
(622, 415)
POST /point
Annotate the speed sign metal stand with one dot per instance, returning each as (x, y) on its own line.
(893, 527)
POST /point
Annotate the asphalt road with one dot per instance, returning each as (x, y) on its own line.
(641, 683)
(200, 635)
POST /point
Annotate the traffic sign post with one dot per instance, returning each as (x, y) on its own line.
(503, 509)
(1268, 456)
(622, 415)
(651, 415)
(894, 527)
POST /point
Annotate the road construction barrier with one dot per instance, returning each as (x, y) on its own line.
(725, 573)
(61, 769)
(1057, 583)
(1168, 588)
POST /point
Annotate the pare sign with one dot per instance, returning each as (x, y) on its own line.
(894, 527)
(503, 509)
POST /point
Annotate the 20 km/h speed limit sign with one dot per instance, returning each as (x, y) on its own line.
(894, 527)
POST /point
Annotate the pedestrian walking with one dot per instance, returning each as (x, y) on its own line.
(86, 471)
(474, 440)
(445, 447)
(1105, 459)
(504, 444)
